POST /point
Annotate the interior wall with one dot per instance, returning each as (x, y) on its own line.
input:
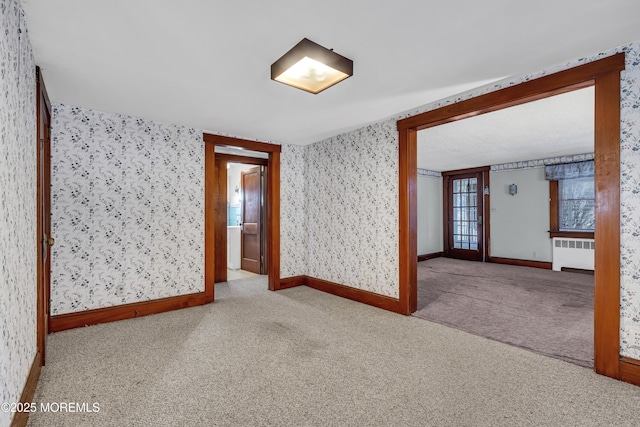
(430, 221)
(294, 219)
(17, 205)
(127, 210)
(353, 209)
(520, 223)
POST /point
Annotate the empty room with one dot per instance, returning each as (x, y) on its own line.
(284, 213)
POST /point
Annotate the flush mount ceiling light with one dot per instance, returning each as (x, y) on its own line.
(311, 67)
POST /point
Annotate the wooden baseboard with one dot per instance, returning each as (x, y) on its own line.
(630, 370)
(292, 282)
(29, 390)
(364, 297)
(430, 256)
(521, 262)
(127, 311)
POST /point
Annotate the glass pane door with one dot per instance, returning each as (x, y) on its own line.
(465, 214)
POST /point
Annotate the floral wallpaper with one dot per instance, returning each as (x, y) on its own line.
(17, 205)
(630, 204)
(353, 209)
(127, 210)
(293, 211)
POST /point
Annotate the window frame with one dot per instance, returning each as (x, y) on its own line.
(554, 217)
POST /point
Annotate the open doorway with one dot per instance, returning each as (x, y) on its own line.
(44, 240)
(215, 205)
(529, 148)
(604, 75)
(246, 218)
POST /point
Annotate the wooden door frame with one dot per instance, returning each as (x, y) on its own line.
(484, 230)
(273, 206)
(604, 75)
(43, 288)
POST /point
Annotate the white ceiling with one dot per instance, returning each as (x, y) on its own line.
(550, 127)
(206, 64)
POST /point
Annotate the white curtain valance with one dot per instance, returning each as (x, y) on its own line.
(569, 170)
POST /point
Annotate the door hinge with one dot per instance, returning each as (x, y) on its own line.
(486, 190)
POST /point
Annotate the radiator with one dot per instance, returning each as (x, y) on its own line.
(573, 253)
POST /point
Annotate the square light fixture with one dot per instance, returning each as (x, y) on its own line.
(311, 67)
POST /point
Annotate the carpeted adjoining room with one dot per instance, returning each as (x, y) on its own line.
(304, 357)
(544, 311)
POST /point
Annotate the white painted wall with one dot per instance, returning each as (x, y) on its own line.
(430, 233)
(520, 223)
(233, 181)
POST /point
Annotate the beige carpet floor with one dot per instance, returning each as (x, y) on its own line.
(548, 312)
(300, 357)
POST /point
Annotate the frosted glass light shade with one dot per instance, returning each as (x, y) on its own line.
(311, 67)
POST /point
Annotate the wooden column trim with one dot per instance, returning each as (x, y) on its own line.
(408, 221)
(209, 227)
(604, 74)
(273, 218)
(607, 232)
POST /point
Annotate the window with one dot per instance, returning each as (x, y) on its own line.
(572, 207)
(576, 204)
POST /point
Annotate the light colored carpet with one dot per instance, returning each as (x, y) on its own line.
(300, 357)
(549, 312)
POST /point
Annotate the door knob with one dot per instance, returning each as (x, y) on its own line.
(51, 241)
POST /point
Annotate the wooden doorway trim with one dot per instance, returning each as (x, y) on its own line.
(604, 75)
(273, 206)
(43, 213)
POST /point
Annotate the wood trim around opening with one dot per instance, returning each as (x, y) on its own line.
(241, 143)
(273, 206)
(604, 74)
(43, 285)
(26, 397)
(79, 319)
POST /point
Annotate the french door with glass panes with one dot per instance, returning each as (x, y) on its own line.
(464, 215)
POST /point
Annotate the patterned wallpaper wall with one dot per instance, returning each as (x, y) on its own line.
(17, 205)
(127, 210)
(630, 204)
(331, 229)
(293, 211)
(352, 182)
